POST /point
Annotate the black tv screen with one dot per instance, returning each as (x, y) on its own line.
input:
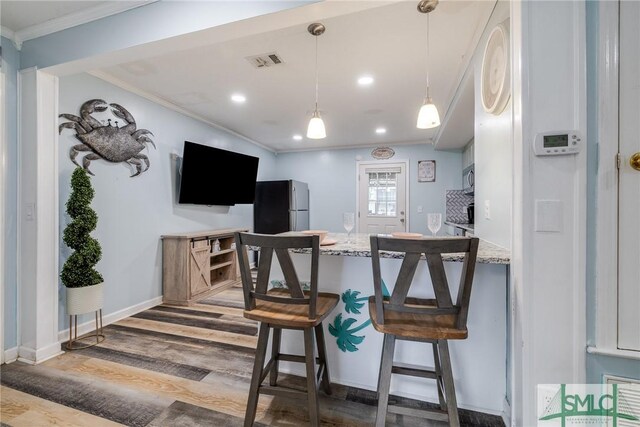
(211, 176)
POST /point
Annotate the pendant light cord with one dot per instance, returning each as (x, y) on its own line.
(427, 56)
(316, 73)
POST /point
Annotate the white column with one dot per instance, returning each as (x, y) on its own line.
(38, 216)
(548, 274)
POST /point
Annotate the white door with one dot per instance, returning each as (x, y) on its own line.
(382, 198)
(629, 180)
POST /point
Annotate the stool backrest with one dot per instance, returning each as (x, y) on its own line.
(432, 249)
(267, 245)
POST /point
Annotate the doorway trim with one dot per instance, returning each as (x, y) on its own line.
(606, 294)
(407, 188)
(38, 222)
(3, 195)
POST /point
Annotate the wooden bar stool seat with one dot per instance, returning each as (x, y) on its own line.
(421, 327)
(289, 308)
(433, 321)
(294, 316)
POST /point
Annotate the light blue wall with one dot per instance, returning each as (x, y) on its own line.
(10, 66)
(331, 175)
(144, 24)
(597, 365)
(134, 212)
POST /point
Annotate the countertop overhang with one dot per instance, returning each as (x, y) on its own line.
(359, 246)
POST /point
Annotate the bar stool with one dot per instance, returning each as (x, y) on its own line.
(278, 309)
(433, 321)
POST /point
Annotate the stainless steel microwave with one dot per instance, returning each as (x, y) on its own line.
(468, 180)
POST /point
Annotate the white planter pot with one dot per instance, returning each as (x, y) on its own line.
(84, 300)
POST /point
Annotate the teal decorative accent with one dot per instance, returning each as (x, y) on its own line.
(345, 337)
(385, 291)
(353, 304)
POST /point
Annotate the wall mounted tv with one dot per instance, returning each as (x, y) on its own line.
(211, 176)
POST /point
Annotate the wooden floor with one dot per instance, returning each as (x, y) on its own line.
(174, 366)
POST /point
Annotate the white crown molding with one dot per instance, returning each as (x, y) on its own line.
(75, 19)
(356, 146)
(7, 33)
(11, 35)
(170, 105)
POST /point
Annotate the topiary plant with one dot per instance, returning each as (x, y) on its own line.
(78, 271)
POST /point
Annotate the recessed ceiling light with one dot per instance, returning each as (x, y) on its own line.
(297, 137)
(365, 80)
(238, 98)
(381, 131)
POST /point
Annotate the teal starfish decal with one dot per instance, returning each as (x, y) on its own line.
(345, 337)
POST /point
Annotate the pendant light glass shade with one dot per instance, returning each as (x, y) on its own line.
(428, 116)
(316, 128)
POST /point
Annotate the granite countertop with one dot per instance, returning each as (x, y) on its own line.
(488, 253)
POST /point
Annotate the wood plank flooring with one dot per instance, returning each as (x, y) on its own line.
(175, 366)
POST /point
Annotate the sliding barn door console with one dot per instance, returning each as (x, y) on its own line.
(194, 265)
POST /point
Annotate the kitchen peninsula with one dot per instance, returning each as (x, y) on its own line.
(354, 347)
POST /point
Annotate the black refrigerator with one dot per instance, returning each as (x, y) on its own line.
(281, 206)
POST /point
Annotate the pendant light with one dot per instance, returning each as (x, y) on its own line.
(428, 116)
(316, 128)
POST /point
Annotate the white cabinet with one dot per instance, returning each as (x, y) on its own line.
(468, 154)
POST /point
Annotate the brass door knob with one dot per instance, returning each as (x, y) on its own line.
(634, 161)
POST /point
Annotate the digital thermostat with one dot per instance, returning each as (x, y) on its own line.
(557, 143)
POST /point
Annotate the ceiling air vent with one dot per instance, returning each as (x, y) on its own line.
(265, 60)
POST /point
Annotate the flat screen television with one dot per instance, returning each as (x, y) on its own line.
(211, 176)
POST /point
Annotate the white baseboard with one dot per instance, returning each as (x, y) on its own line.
(63, 336)
(11, 355)
(33, 356)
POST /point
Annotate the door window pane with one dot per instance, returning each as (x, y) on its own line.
(382, 194)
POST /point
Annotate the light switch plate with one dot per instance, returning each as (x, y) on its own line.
(420, 209)
(487, 209)
(548, 216)
(30, 211)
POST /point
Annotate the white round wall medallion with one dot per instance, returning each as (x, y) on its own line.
(495, 78)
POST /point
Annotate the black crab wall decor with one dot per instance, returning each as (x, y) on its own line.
(110, 142)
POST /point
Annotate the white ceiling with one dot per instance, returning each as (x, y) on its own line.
(386, 42)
